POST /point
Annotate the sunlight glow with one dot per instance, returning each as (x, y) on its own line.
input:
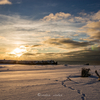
(19, 51)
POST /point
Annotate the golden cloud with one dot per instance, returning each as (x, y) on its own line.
(95, 25)
(57, 16)
(3, 2)
(92, 29)
(3, 38)
(96, 16)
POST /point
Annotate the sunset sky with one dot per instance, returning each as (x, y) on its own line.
(61, 30)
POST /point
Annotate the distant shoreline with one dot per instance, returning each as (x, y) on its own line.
(48, 62)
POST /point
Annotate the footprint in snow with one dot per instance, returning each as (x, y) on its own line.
(83, 95)
(78, 91)
(71, 88)
(64, 85)
(82, 98)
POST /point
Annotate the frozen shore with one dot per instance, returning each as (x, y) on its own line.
(48, 82)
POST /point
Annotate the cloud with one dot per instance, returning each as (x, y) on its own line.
(96, 16)
(3, 38)
(86, 55)
(93, 33)
(97, 36)
(95, 25)
(33, 46)
(92, 40)
(92, 29)
(38, 45)
(29, 54)
(83, 13)
(75, 35)
(85, 17)
(92, 26)
(22, 28)
(3, 2)
(66, 43)
(57, 16)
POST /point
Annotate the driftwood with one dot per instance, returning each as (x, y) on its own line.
(85, 72)
(97, 75)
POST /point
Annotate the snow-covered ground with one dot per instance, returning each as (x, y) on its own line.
(48, 82)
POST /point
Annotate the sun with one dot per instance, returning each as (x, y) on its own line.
(19, 51)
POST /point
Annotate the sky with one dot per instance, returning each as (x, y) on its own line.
(61, 30)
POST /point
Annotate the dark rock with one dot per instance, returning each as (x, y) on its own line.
(87, 64)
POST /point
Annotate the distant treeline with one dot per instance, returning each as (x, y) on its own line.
(48, 62)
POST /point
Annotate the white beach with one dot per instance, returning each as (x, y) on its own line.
(48, 82)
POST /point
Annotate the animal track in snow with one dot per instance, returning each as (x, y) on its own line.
(64, 85)
(83, 97)
(71, 88)
(78, 91)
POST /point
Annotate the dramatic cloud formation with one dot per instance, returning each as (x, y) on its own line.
(3, 2)
(57, 36)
